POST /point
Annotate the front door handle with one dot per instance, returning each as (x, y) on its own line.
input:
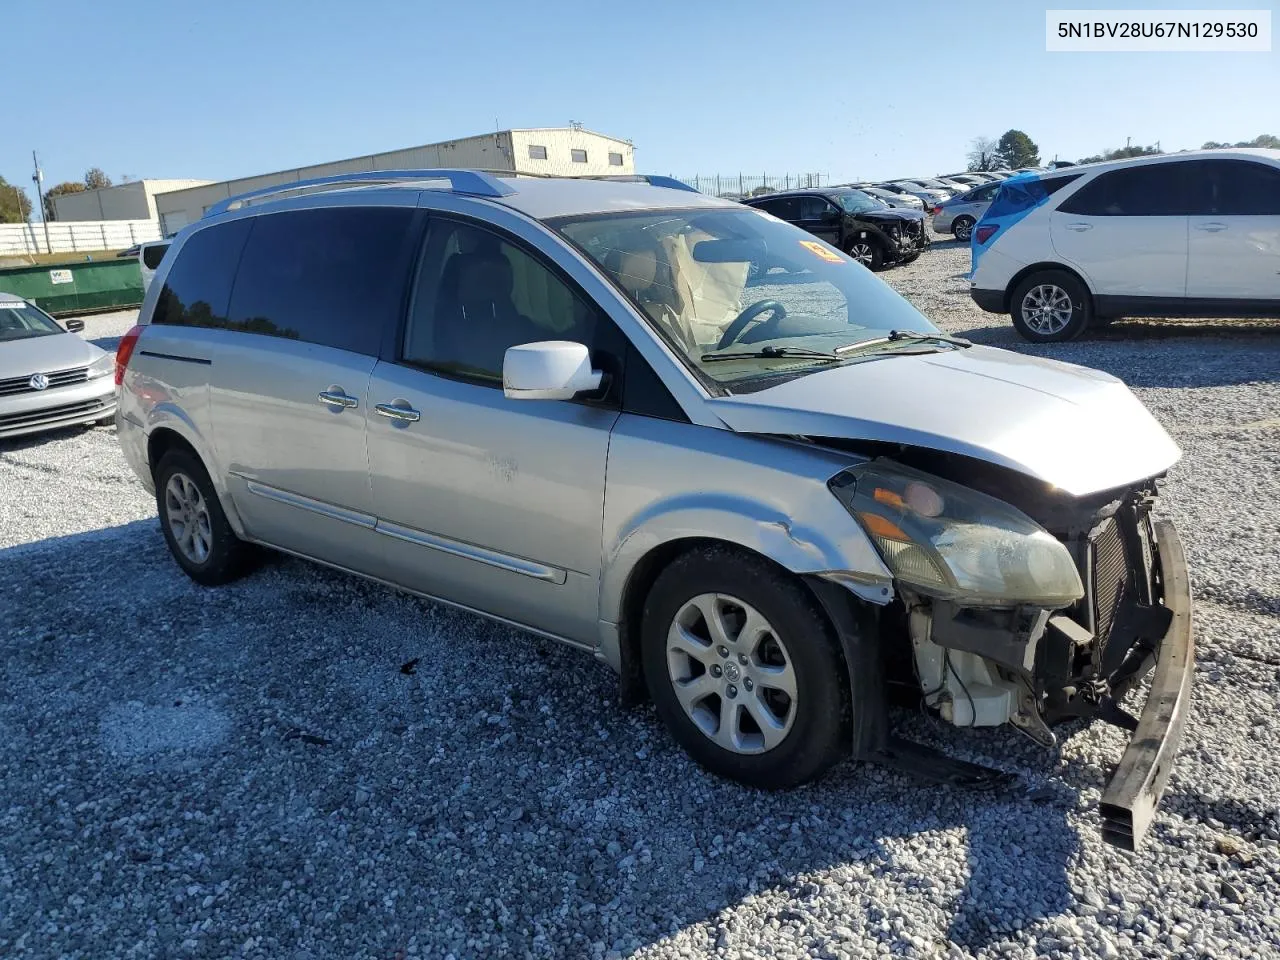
(337, 399)
(391, 411)
(1079, 227)
(1213, 227)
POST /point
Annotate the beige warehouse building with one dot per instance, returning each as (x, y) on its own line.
(135, 200)
(560, 151)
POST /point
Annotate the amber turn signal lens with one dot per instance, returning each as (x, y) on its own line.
(878, 526)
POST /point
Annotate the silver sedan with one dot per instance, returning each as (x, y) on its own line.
(49, 377)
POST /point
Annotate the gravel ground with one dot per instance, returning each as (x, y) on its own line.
(307, 765)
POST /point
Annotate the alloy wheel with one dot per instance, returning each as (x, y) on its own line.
(1047, 309)
(731, 673)
(862, 253)
(188, 517)
(964, 228)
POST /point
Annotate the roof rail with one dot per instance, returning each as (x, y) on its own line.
(475, 183)
(653, 179)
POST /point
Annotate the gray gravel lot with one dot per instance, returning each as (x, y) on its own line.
(250, 772)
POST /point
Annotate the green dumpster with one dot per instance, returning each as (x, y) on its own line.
(80, 287)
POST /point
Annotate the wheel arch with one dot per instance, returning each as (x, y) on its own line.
(1043, 266)
(176, 433)
(644, 573)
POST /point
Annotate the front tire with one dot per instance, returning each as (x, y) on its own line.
(745, 669)
(194, 526)
(1051, 307)
(867, 252)
(962, 229)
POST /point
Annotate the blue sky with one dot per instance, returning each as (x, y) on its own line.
(238, 87)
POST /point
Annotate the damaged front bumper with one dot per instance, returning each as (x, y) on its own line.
(1130, 799)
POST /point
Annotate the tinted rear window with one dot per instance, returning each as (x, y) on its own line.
(333, 276)
(151, 256)
(198, 287)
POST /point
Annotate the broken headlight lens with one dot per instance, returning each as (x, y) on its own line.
(949, 541)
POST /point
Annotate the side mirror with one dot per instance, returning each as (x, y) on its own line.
(74, 326)
(548, 370)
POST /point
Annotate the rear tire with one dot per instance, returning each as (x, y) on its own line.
(962, 228)
(1050, 307)
(194, 526)
(745, 669)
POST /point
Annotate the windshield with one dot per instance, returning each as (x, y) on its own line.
(740, 281)
(21, 321)
(855, 201)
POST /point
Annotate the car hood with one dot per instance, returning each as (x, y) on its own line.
(58, 351)
(1077, 429)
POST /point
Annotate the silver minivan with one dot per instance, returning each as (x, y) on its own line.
(679, 434)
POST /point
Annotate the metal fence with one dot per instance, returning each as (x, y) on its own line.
(22, 239)
(751, 184)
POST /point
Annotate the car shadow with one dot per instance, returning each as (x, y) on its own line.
(364, 710)
(108, 344)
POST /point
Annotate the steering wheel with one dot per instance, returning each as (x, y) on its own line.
(743, 320)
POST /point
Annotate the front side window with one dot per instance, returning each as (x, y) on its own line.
(729, 282)
(198, 285)
(578, 156)
(1233, 188)
(478, 294)
(332, 276)
(814, 208)
(1150, 190)
(20, 320)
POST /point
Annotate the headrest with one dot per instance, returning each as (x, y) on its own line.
(637, 269)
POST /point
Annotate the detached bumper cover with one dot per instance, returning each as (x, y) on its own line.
(1130, 799)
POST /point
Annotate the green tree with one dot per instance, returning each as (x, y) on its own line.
(1016, 150)
(15, 205)
(1122, 153)
(59, 190)
(984, 154)
(95, 179)
(1268, 140)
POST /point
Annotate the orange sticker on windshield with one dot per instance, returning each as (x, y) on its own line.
(821, 250)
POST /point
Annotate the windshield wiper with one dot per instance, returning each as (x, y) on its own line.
(770, 353)
(899, 336)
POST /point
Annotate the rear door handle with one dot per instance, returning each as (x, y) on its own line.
(337, 400)
(1213, 227)
(1079, 227)
(394, 412)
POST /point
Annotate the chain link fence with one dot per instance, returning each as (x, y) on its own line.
(736, 185)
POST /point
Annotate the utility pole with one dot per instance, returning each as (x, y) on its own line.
(38, 178)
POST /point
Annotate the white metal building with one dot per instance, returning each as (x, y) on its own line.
(135, 200)
(563, 151)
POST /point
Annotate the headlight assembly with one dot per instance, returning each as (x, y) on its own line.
(104, 366)
(948, 541)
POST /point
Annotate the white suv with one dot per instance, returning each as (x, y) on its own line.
(1195, 234)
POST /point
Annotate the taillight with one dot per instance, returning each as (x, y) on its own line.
(125, 351)
(985, 232)
(935, 210)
